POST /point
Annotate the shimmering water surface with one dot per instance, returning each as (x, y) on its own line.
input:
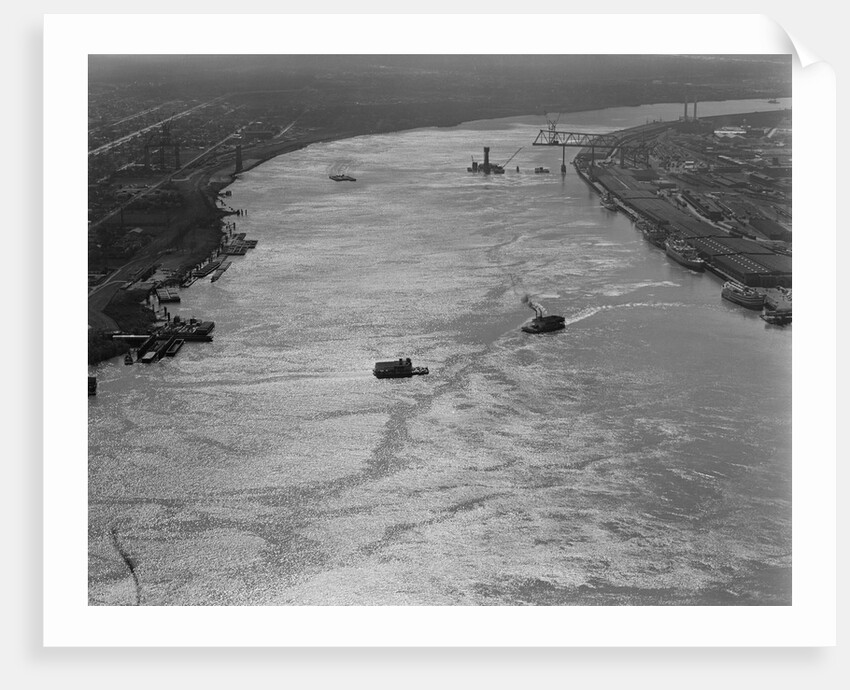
(641, 456)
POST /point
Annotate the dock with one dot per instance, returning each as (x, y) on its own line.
(167, 294)
(729, 256)
(237, 245)
(220, 270)
(206, 269)
(167, 340)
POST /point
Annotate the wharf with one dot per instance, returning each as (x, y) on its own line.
(238, 246)
(191, 330)
(167, 340)
(646, 198)
(219, 271)
(778, 300)
(166, 294)
(234, 249)
(206, 269)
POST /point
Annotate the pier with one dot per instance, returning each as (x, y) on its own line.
(698, 202)
(167, 294)
(220, 270)
(168, 339)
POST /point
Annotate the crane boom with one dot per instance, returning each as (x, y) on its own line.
(512, 157)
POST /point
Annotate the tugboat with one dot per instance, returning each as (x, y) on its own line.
(683, 253)
(743, 295)
(397, 369)
(541, 323)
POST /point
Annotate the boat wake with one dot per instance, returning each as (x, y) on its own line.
(593, 311)
(618, 290)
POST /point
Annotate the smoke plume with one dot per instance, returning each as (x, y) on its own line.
(533, 305)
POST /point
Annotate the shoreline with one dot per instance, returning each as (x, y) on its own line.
(198, 232)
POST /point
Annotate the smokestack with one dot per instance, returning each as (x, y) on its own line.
(695, 110)
(686, 110)
(537, 308)
(486, 159)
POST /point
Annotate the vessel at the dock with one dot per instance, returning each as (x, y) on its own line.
(397, 368)
(206, 269)
(776, 317)
(683, 253)
(609, 203)
(653, 234)
(221, 269)
(743, 295)
(174, 348)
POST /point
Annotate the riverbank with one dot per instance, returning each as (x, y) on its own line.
(196, 233)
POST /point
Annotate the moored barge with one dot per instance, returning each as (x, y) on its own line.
(174, 348)
(776, 317)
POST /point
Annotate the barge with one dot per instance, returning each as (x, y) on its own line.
(206, 269)
(174, 348)
(486, 167)
(397, 368)
(220, 270)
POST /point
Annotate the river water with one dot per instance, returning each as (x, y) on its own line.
(641, 456)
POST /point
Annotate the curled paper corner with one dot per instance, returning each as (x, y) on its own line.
(799, 50)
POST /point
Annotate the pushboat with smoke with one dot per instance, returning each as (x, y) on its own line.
(397, 368)
(542, 323)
